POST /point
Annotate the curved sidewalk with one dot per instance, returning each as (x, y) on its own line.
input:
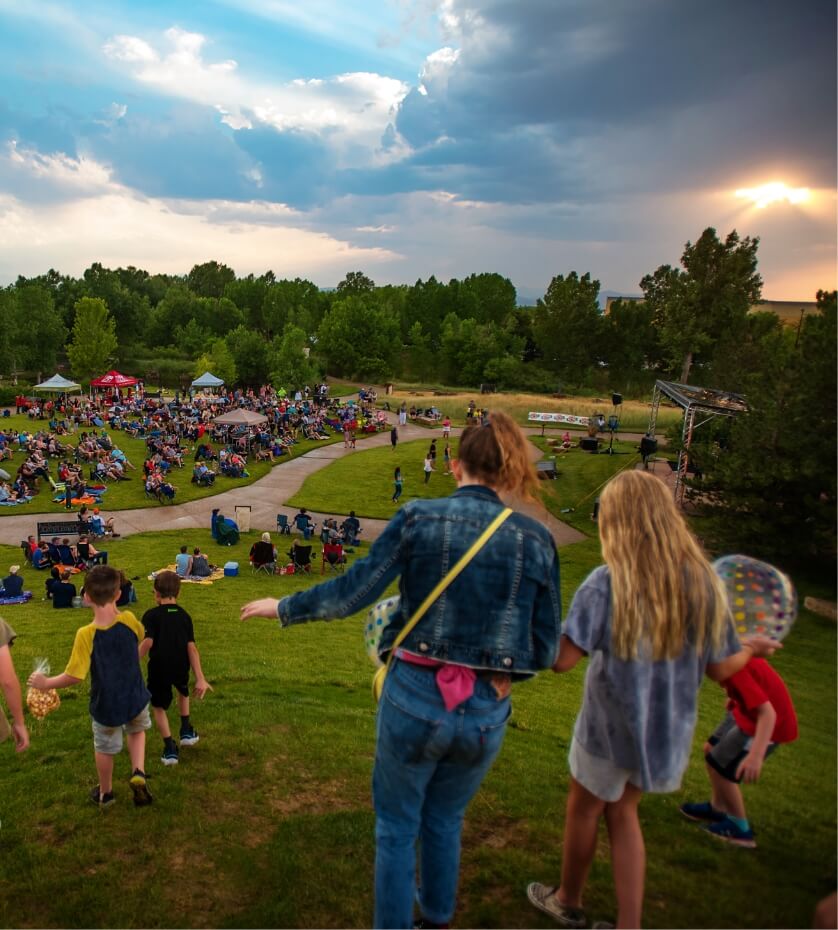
(266, 498)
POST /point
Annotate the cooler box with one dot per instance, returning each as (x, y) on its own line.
(231, 569)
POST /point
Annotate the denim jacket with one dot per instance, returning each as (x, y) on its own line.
(502, 613)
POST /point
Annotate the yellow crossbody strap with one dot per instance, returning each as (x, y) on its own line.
(446, 580)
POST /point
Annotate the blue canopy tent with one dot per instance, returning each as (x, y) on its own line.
(207, 381)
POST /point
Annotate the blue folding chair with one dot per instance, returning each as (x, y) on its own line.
(282, 525)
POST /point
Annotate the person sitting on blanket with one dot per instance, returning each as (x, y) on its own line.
(12, 583)
(40, 557)
(67, 554)
(63, 592)
(52, 581)
(7, 493)
(201, 567)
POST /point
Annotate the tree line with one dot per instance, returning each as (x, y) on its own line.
(768, 478)
(252, 329)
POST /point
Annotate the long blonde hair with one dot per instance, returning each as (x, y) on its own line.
(664, 592)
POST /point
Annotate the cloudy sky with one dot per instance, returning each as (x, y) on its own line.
(416, 137)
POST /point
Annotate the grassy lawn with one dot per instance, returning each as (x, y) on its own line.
(364, 482)
(267, 821)
(581, 475)
(634, 415)
(125, 495)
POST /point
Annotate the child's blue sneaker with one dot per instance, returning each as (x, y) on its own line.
(170, 754)
(703, 812)
(189, 737)
(728, 831)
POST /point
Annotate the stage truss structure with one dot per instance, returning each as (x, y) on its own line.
(699, 404)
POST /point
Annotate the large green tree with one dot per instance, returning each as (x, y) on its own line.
(210, 278)
(39, 328)
(219, 361)
(567, 326)
(357, 283)
(291, 366)
(94, 339)
(250, 355)
(768, 483)
(359, 339)
(629, 341)
(704, 304)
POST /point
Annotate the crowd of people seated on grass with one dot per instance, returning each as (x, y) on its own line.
(170, 430)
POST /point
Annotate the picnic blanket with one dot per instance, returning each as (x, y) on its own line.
(20, 500)
(77, 501)
(21, 599)
(217, 572)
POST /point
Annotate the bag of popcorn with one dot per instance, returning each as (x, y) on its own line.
(41, 703)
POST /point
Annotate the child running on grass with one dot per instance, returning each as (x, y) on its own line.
(170, 644)
(654, 619)
(760, 716)
(108, 649)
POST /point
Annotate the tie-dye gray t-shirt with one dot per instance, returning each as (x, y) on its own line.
(639, 714)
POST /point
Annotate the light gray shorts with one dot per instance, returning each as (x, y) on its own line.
(108, 740)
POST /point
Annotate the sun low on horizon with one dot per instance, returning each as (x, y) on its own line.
(774, 192)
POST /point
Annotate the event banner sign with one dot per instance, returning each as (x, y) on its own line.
(557, 418)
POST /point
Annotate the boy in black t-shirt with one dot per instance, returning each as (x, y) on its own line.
(170, 644)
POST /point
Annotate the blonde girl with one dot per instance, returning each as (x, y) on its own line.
(653, 620)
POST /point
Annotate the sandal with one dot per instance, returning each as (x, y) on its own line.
(544, 898)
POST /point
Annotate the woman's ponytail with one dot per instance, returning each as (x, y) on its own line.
(497, 455)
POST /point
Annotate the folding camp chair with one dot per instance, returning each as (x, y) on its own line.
(263, 558)
(283, 527)
(301, 557)
(333, 558)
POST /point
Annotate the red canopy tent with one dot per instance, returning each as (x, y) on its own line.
(113, 379)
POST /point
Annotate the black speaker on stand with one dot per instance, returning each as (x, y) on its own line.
(614, 420)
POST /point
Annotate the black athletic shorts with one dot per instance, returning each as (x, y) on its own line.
(161, 686)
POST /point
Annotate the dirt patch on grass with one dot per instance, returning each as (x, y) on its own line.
(500, 833)
(324, 798)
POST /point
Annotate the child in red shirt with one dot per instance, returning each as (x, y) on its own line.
(760, 716)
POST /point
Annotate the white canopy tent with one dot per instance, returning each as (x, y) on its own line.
(57, 385)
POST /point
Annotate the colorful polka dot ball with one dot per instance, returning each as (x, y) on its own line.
(378, 618)
(762, 598)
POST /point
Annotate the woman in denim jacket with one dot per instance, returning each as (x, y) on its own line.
(445, 703)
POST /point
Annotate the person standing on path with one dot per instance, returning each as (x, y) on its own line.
(397, 482)
(403, 414)
(394, 438)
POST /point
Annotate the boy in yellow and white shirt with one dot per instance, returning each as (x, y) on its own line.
(109, 649)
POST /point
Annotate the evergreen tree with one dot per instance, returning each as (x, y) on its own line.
(769, 479)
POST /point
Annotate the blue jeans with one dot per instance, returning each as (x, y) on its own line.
(429, 763)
